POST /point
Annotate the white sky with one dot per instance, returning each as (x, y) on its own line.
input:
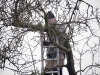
(86, 58)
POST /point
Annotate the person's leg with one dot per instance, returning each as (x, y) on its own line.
(60, 71)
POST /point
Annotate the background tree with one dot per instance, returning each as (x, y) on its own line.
(24, 19)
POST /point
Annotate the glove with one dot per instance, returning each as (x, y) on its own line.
(46, 43)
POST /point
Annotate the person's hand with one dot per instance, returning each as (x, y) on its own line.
(46, 43)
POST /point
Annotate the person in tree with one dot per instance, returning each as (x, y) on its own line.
(52, 51)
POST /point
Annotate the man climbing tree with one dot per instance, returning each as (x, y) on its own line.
(52, 51)
(20, 22)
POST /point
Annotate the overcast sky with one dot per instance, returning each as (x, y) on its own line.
(95, 3)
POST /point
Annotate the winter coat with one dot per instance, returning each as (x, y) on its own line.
(53, 63)
(53, 51)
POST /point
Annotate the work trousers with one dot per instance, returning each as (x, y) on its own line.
(53, 63)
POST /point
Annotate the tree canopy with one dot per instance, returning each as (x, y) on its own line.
(21, 22)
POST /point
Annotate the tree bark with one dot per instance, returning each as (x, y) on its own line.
(70, 64)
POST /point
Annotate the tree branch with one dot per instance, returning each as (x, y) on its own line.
(97, 65)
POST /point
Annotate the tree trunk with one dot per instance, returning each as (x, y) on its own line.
(70, 63)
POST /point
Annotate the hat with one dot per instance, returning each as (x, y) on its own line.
(50, 15)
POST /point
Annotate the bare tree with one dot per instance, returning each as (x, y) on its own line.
(21, 18)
